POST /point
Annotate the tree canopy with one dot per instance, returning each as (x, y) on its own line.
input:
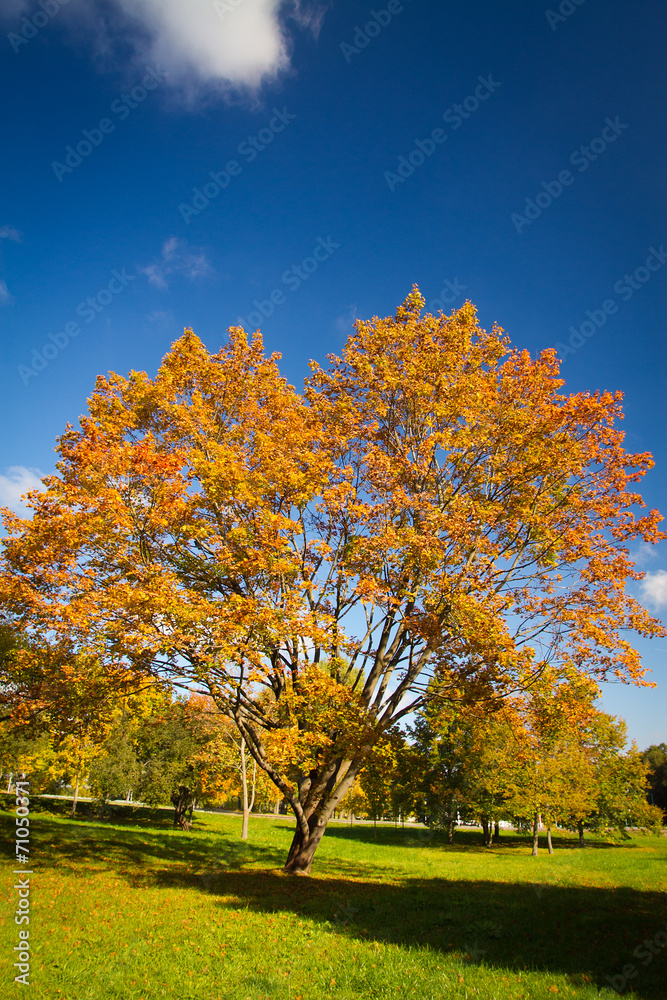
(430, 508)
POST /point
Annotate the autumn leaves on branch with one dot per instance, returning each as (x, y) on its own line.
(431, 510)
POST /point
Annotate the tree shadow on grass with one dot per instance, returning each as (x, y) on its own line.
(465, 841)
(586, 933)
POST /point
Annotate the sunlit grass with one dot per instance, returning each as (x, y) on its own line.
(132, 908)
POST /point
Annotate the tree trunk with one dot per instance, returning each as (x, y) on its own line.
(496, 829)
(536, 834)
(254, 785)
(319, 794)
(181, 801)
(450, 831)
(276, 807)
(549, 844)
(76, 791)
(9, 783)
(580, 828)
(487, 832)
(244, 786)
(302, 849)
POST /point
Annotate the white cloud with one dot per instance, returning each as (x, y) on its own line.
(18, 481)
(6, 298)
(9, 233)
(177, 258)
(225, 45)
(644, 553)
(654, 588)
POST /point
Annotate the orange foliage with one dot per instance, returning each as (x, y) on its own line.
(432, 504)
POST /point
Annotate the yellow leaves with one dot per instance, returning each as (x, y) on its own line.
(432, 487)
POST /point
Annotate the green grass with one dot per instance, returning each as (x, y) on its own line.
(129, 908)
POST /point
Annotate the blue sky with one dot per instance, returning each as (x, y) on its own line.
(172, 163)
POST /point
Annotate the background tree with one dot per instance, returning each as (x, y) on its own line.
(489, 764)
(439, 773)
(620, 798)
(656, 759)
(432, 484)
(552, 778)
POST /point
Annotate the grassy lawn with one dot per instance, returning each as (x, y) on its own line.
(131, 908)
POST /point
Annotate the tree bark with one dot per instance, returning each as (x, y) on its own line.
(76, 791)
(302, 849)
(487, 832)
(496, 829)
(450, 831)
(181, 801)
(580, 828)
(536, 834)
(244, 786)
(549, 844)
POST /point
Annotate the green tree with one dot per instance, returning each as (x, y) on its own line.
(116, 772)
(655, 757)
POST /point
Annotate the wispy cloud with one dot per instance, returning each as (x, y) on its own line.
(345, 322)
(9, 233)
(17, 481)
(654, 588)
(644, 553)
(6, 298)
(177, 257)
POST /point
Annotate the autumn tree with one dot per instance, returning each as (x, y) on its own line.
(222, 762)
(488, 764)
(57, 702)
(431, 506)
(551, 776)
